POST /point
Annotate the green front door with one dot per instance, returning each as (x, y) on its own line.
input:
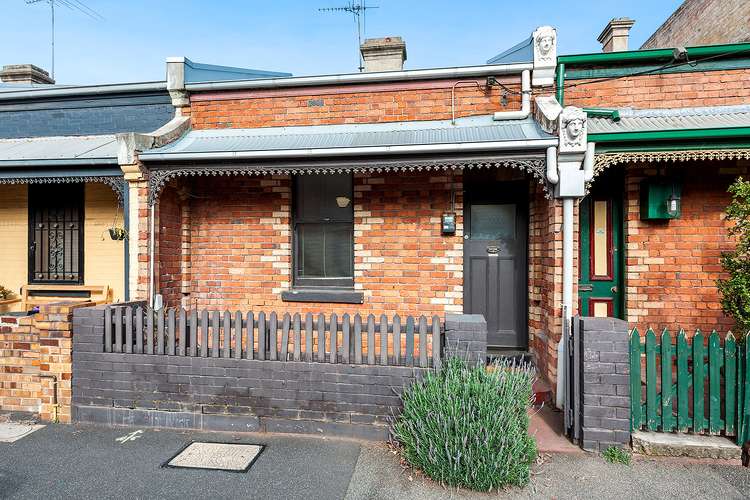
(600, 285)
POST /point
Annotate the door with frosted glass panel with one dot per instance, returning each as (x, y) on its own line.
(495, 247)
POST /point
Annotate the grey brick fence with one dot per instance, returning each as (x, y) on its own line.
(605, 390)
(226, 394)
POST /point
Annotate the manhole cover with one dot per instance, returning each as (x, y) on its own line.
(11, 432)
(217, 456)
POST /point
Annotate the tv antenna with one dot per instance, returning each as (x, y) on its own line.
(72, 5)
(358, 9)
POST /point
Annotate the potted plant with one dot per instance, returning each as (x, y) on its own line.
(117, 233)
(5, 293)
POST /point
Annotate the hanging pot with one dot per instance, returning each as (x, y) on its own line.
(117, 233)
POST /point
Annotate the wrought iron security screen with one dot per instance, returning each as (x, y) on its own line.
(56, 233)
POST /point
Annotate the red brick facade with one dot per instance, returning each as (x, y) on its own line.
(673, 90)
(672, 266)
(241, 239)
(430, 100)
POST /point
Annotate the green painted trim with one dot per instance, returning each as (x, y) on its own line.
(651, 54)
(602, 148)
(626, 70)
(560, 94)
(660, 135)
(612, 114)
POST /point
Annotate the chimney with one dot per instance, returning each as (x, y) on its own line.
(25, 73)
(383, 54)
(615, 36)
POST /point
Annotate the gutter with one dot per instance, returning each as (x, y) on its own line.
(381, 76)
(354, 151)
(57, 162)
(664, 135)
(651, 54)
(82, 90)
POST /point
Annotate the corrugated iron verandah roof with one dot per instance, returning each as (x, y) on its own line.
(533, 164)
(472, 142)
(60, 160)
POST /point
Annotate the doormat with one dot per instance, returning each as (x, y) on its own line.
(10, 432)
(216, 456)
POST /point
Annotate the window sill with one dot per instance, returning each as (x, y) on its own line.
(322, 295)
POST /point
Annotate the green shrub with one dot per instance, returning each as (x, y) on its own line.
(468, 427)
(616, 455)
(735, 290)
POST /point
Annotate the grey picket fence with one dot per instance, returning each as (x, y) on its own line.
(288, 337)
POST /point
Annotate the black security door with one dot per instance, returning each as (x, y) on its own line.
(56, 233)
(495, 248)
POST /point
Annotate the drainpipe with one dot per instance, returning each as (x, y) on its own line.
(588, 162)
(151, 293)
(552, 175)
(525, 101)
(567, 299)
(560, 90)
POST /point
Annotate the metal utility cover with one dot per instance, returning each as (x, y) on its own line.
(11, 432)
(216, 456)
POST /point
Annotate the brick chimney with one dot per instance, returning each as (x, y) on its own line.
(615, 36)
(25, 73)
(383, 54)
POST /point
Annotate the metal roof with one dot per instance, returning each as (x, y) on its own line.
(81, 150)
(644, 120)
(337, 139)
(519, 53)
(199, 72)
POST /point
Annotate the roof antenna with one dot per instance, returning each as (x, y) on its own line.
(358, 9)
(78, 5)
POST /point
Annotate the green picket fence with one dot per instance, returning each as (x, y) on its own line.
(690, 385)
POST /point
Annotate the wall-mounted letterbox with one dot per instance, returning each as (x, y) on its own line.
(661, 198)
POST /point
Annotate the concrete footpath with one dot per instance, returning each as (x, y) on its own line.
(94, 462)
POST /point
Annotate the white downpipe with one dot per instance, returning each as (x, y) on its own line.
(151, 293)
(588, 162)
(567, 299)
(552, 175)
(525, 101)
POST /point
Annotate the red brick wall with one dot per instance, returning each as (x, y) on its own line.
(703, 22)
(169, 241)
(672, 267)
(709, 88)
(429, 100)
(240, 248)
(34, 351)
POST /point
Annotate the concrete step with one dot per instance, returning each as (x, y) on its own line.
(685, 445)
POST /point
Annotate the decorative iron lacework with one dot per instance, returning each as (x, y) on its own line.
(606, 160)
(158, 178)
(117, 184)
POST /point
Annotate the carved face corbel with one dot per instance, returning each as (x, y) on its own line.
(573, 128)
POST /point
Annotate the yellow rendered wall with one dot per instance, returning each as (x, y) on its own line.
(14, 215)
(104, 259)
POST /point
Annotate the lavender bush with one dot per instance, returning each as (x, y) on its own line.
(468, 426)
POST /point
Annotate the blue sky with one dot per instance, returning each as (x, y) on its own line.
(136, 36)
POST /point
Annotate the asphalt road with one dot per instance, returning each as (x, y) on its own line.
(74, 461)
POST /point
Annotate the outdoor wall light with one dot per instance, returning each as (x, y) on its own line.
(342, 201)
(673, 205)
